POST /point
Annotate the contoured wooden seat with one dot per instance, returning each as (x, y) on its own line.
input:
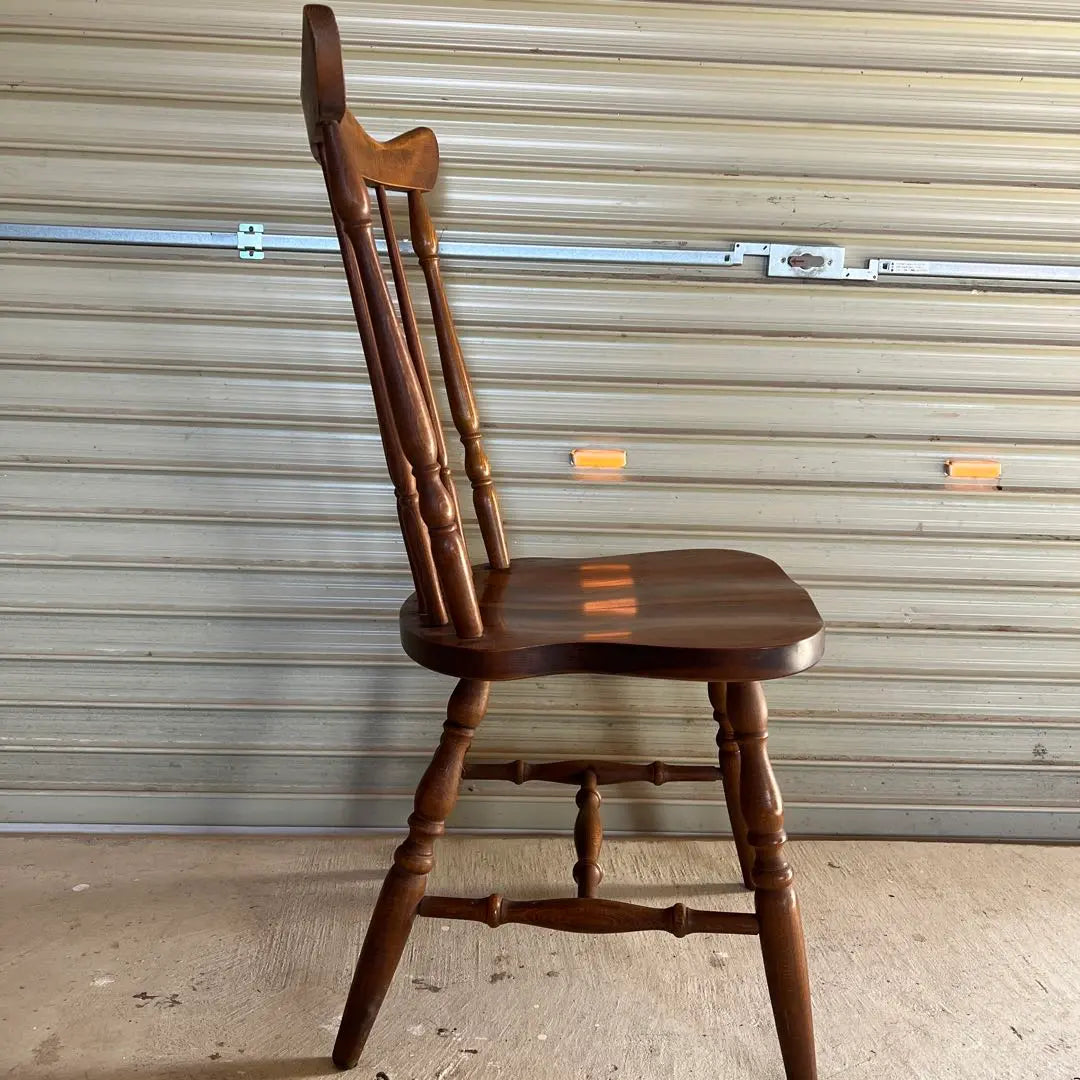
(727, 619)
(704, 614)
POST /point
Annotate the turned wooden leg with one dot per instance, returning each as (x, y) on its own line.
(729, 773)
(404, 886)
(780, 926)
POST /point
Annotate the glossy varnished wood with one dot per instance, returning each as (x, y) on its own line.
(459, 391)
(406, 882)
(429, 596)
(705, 614)
(588, 836)
(416, 348)
(730, 767)
(586, 916)
(606, 772)
(730, 619)
(409, 162)
(779, 923)
(352, 163)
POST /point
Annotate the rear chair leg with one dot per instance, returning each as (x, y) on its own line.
(404, 886)
(780, 926)
(729, 773)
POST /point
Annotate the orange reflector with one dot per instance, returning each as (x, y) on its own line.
(604, 635)
(589, 567)
(974, 468)
(598, 459)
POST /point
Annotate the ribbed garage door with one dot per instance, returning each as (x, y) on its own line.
(199, 567)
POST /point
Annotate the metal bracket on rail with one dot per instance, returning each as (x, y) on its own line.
(249, 240)
(804, 261)
(827, 264)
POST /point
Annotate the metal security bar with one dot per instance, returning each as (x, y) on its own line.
(819, 262)
(251, 241)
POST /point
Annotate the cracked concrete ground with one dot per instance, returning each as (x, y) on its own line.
(169, 958)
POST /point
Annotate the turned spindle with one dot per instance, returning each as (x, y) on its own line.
(588, 836)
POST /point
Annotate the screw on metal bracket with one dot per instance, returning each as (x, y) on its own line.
(249, 239)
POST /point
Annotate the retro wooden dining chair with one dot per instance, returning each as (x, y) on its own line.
(727, 619)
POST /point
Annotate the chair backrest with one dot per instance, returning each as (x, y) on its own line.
(408, 417)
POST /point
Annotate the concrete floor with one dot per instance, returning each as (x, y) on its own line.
(227, 959)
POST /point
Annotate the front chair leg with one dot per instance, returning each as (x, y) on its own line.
(404, 886)
(780, 925)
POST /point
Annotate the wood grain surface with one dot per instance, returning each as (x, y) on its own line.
(711, 615)
(721, 617)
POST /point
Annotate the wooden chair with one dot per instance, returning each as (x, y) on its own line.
(728, 619)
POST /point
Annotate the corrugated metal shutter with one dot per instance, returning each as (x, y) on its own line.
(199, 566)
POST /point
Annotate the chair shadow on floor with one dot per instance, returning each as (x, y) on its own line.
(243, 1069)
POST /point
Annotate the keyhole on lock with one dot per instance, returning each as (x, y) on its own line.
(803, 260)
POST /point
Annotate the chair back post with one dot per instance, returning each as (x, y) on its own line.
(405, 407)
(429, 595)
(463, 409)
(412, 334)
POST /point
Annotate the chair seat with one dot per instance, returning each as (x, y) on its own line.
(709, 615)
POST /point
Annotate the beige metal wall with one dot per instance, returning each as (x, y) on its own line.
(199, 571)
